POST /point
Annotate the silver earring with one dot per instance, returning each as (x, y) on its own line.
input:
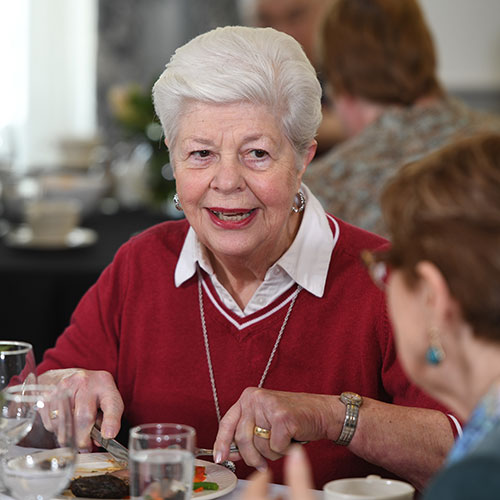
(177, 202)
(300, 203)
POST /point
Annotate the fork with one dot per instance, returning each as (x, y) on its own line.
(201, 452)
(228, 464)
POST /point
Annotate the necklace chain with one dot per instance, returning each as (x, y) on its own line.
(207, 345)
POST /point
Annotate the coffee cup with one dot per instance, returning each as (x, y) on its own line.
(51, 221)
(368, 488)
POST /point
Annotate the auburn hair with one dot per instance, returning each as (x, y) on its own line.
(445, 209)
(379, 50)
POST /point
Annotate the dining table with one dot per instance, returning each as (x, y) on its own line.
(275, 491)
(40, 288)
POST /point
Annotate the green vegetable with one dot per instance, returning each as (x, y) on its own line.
(206, 485)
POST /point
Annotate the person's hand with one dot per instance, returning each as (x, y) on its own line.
(90, 391)
(297, 476)
(287, 415)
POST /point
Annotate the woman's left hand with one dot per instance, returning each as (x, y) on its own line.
(287, 415)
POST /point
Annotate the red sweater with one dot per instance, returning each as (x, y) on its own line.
(135, 324)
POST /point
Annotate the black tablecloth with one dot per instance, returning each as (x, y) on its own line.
(39, 289)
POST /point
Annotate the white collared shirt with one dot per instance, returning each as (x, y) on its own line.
(305, 262)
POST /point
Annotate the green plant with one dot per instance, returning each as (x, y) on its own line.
(132, 107)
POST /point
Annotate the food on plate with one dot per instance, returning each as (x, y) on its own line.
(101, 486)
(116, 485)
(199, 480)
(205, 485)
(200, 473)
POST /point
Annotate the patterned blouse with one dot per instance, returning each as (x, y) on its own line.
(484, 418)
(348, 179)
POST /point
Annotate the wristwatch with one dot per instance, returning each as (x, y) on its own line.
(352, 403)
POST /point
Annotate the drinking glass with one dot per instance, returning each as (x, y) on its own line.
(17, 367)
(161, 461)
(46, 467)
(17, 363)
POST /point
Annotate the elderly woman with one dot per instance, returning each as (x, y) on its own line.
(443, 214)
(254, 314)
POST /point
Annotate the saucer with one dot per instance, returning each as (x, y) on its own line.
(22, 237)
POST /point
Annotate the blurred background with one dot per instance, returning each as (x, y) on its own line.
(60, 60)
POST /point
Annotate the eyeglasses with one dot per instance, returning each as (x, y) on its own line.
(376, 267)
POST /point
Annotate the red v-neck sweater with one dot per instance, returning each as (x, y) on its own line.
(137, 325)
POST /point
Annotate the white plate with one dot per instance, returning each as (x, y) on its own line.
(22, 237)
(89, 464)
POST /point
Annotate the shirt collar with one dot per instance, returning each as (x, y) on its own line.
(306, 261)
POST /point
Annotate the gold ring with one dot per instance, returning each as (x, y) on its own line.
(261, 432)
(53, 414)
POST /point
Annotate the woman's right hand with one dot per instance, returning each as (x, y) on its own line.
(297, 476)
(91, 391)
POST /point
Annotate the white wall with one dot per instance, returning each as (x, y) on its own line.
(48, 50)
(62, 80)
(14, 82)
(467, 36)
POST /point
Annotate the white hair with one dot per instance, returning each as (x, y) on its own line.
(242, 64)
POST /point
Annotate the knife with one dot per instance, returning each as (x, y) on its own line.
(115, 449)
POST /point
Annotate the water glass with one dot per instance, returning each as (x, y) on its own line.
(17, 363)
(17, 367)
(44, 465)
(161, 461)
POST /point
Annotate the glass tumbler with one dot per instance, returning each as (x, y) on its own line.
(44, 465)
(161, 461)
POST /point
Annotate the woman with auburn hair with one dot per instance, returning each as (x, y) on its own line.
(380, 63)
(443, 291)
(443, 215)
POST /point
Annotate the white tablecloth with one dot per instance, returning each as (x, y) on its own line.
(275, 490)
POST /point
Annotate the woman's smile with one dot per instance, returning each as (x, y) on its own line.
(232, 218)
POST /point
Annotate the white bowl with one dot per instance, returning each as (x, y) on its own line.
(87, 189)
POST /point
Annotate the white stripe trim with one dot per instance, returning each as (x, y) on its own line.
(247, 323)
(336, 236)
(457, 425)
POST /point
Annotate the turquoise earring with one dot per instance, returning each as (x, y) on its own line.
(435, 353)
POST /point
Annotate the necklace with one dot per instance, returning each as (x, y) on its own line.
(228, 463)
